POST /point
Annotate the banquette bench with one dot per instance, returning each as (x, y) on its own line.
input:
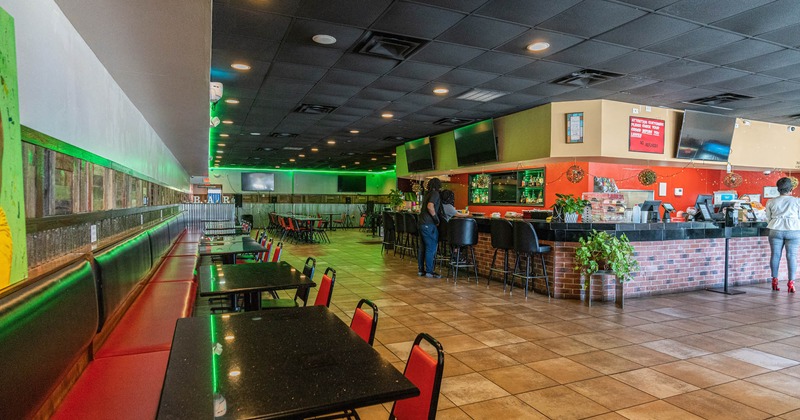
(91, 340)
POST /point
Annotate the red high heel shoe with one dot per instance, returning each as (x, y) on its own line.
(790, 286)
(775, 284)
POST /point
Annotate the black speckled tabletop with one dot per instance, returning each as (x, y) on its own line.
(287, 363)
(256, 277)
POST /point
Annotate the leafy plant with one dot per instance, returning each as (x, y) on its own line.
(569, 203)
(395, 198)
(602, 251)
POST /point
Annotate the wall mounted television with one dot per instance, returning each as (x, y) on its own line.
(258, 181)
(476, 143)
(419, 155)
(705, 136)
(352, 183)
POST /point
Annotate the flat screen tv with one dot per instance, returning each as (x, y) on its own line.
(258, 181)
(419, 155)
(705, 136)
(476, 143)
(353, 183)
(504, 188)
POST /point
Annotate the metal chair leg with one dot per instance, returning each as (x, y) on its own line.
(491, 268)
(546, 279)
(474, 263)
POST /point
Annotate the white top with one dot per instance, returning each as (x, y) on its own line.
(783, 213)
(449, 211)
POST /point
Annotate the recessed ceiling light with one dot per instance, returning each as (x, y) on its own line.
(357, 163)
(331, 142)
(301, 156)
(218, 157)
(234, 373)
(224, 135)
(277, 166)
(220, 151)
(441, 91)
(374, 159)
(255, 134)
(221, 145)
(240, 66)
(387, 115)
(291, 159)
(323, 39)
(394, 154)
(314, 149)
(344, 166)
(354, 131)
(538, 46)
(384, 167)
(231, 101)
(227, 122)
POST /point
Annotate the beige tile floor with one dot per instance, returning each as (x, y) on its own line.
(680, 356)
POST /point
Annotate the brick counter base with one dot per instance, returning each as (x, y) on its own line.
(665, 266)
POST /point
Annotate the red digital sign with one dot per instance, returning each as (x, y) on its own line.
(646, 135)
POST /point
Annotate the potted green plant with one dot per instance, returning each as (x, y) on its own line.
(569, 206)
(396, 199)
(603, 252)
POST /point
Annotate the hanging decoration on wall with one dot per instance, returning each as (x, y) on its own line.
(575, 174)
(416, 187)
(647, 177)
(794, 181)
(483, 180)
(732, 180)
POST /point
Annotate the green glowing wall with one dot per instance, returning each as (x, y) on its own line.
(13, 252)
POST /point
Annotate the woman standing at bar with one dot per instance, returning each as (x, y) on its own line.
(429, 235)
(783, 216)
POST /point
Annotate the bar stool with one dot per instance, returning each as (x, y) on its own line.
(527, 243)
(463, 235)
(388, 231)
(443, 253)
(412, 233)
(502, 238)
(399, 234)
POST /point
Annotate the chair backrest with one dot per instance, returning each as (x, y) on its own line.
(399, 223)
(502, 233)
(363, 324)
(264, 256)
(276, 256)
(525, 239)
(308, 270)
(411, 223)
(325, 290)
(388, 222)
(462, 231)
(426, 373)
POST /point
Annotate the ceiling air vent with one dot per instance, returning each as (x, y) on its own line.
(389, 46)
(453, 121)
(292, 148)
(586, 77)
(263, 149)
(394, 138)
(793, 117)
(282, 135)
(482, 95)
(314, 109)
(722, 98)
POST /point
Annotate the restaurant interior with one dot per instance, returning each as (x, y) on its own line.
(213, 208)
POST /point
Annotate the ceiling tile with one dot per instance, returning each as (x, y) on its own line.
(481, 32)
(770, 61)
(557, 43)
(526, 12)
(736, 51)
(308, 54)
(650, 4)
(446, 54)
(741, 83)
(466, 77)
(544, 70)
(356, 13)
(265, 26)
(675, 69)
(635, 62)
(788, 36)
(588, 53)
(399, 84)
(496, 62)
(657, 89)
(625, 83)
(766, 90)
(709, 76)
(348, 78)
(517, 99)
(766, 18)
(234, 48)
(297, 71)
(548, 89)
(460, 5)
(646, 30)
(508, 84)
(379, 94)
(694, 42)
(581, 94)
(366, 63)
(788, 72)
(592, 17)
(334, 90)
(707, 11)
(247, 80)
(416, 20)
(422, 71)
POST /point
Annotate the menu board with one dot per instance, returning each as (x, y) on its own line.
(646, 135)
(606, 207)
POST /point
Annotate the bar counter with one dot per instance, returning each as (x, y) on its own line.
(673, 257)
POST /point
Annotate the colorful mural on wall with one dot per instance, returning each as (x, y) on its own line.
(13, 252)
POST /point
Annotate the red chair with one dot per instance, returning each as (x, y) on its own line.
(301, 294)
(363, 324)
(276, 256)
(264, 256)
(325, 290)
(426, 373)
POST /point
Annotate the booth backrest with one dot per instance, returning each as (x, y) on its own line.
(176, 225)
(44, 329)
(119, 270)
(160, 240)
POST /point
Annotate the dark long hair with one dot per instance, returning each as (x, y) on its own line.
(448, 197)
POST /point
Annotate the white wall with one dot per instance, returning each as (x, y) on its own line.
(66, 93)
(301, 182)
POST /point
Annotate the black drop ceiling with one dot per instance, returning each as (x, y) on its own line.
(667, 53)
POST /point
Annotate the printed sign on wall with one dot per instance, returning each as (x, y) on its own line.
(646, 135)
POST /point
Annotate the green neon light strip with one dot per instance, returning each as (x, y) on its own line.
(40, 139)
(313, 171)
(214, 381)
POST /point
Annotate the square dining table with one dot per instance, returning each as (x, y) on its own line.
(251, 280)
(277, 364)
(229, 250)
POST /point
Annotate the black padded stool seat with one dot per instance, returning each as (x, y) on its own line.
(412, 232)
(443, 249)
(400, 234)
(526, 243)
(462, 233)
(502, 238)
